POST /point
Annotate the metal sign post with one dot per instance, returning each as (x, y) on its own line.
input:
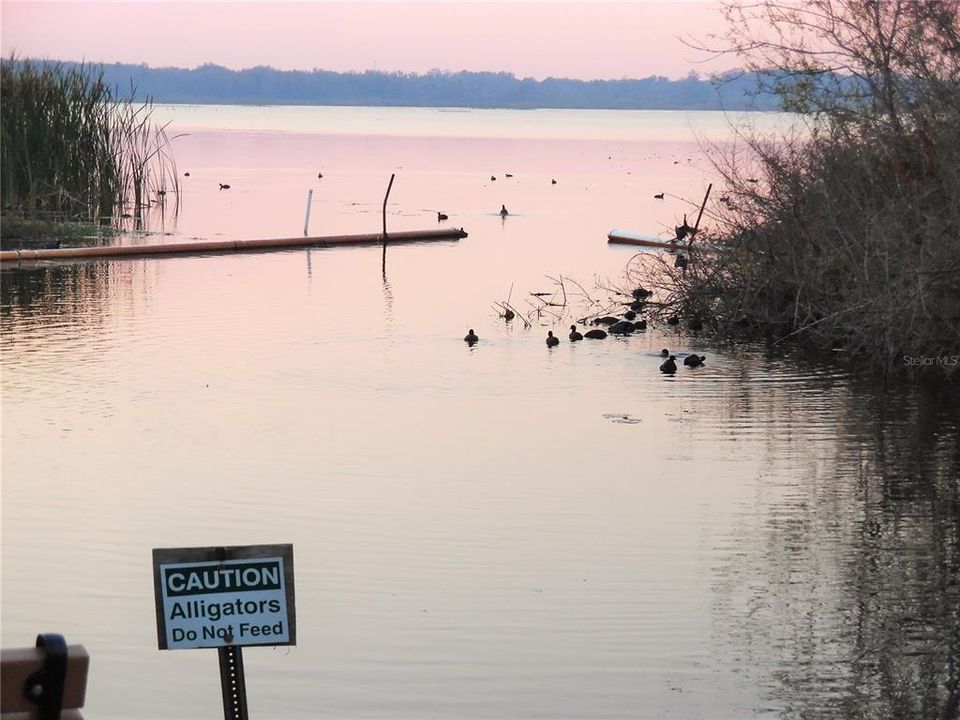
(232, 685)
(225, 598)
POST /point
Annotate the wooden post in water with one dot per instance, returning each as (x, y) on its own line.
(696, 225)
(385, 222)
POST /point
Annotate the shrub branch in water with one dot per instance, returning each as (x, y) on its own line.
(847, 236)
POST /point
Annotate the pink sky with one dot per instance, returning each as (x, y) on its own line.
(535, 39)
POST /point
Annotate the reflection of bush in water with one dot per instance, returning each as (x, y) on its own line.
(853, 585)
(78, 294)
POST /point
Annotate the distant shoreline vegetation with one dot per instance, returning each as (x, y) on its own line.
(213, 84)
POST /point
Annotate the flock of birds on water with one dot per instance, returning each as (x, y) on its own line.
(615, 326)
(441, 216)
(682, 231)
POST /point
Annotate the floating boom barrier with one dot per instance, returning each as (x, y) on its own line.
(212, 246)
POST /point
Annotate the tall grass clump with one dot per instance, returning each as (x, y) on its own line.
(845, 236)
(70, 150)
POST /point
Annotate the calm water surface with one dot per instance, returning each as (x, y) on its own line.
(503, 531)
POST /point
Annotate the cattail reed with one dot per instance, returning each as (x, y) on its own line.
(72, 151)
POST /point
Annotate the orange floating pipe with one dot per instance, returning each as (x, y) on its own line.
(402, 236)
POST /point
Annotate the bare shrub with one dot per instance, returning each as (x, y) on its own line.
(849, 235)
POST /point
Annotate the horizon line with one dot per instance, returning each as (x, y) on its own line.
(692, 74)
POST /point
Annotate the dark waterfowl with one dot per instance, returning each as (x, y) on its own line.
(673, 320)
(694, 360)
(606, 320)
(551, 340)
(683, 230)
(224, 186)
(681, 261)
(507, 175)
(595, 334)
(471, 337)
(669, 366)
(640, 325)
(442, 216)
(621, 327)
(319, 176)
(638, 305)
(659, 196)
(641, 293)
(508, 315)
(503, 211)
(186, 174)
(574, 335)
(630, 315)
(493, 178)
(664, 353)
(553, 182)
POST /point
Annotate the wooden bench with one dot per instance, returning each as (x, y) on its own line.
(46, 682)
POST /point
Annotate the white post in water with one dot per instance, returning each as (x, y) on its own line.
(306, 221)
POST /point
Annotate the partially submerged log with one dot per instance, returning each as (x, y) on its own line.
(627, 237)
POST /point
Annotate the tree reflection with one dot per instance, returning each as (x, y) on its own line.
(844, 586)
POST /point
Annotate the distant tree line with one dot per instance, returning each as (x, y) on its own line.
(264, 85)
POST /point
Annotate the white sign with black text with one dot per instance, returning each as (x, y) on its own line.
(245, 598)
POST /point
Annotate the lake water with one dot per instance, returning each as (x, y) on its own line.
(497, 531)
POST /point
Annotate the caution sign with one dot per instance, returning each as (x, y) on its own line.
(214, 597)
